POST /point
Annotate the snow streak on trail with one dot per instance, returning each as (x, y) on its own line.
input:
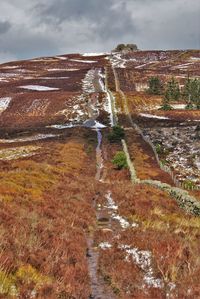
(99, 157)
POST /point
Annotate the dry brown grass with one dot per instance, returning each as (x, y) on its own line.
(43, 224)
(166, 231)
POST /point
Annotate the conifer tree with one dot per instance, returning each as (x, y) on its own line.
(155, 86)
(173, 90)
(191, 93)
(172, 93)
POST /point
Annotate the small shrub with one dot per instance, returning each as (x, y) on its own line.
(166, 107)
(120, 160)
(116, 135)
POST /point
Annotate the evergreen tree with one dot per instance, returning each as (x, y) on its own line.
(173, 90)
(191, 93)
(187, 94)
(195, 92)
(155, 86)
(166, 101)
(172, 93)
(116, 134)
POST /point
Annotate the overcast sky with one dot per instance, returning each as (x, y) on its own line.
(31, 28)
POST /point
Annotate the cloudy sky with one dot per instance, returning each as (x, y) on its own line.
(31, 28)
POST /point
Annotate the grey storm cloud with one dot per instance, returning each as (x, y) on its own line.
(30, 28)
(4, 26)
(105, 17)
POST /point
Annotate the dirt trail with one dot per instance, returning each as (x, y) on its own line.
(98, 286)
(99, 289)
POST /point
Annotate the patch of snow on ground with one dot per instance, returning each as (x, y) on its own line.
(72, 70)
(28, 138)
(143, 65)
(183, 146)
(143, 259)
(105, 245)
(94, 54)
(61, 57)
(178, 106)
(117, 60)
(93, 124)
(3, 80)
(39, 88)
(182, 66)
(61, 127)
(56, 70)
(83, 61)
(195, 58)
(111, 205)
(4, 103)
(153, 116)
(10, 67)
(87, 82)
(108, 105)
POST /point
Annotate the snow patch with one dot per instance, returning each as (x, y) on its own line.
(39, 88)
(153, 116)
(61, 57)
(94, 54)
(61, 127)
(105, 245)
(83, 61)
(4, 103)
(111, 205)
(143, 259)
(93, 124)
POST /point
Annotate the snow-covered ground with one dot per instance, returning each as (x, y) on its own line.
(117, 60)
(10, 67)
(4, 103)
(108, 104)
(112, 206)
(153, 116)
(94, 54)
(39, 88)
(88, 82)
(174, 106)
(142, 258)
(61, 57)
(83, 61)
(63, 126)
(182, 147)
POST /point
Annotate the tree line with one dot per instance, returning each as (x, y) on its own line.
(171, 92)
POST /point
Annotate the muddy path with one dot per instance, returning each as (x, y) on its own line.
(99, 289)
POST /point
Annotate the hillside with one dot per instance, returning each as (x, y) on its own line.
(76, 224)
